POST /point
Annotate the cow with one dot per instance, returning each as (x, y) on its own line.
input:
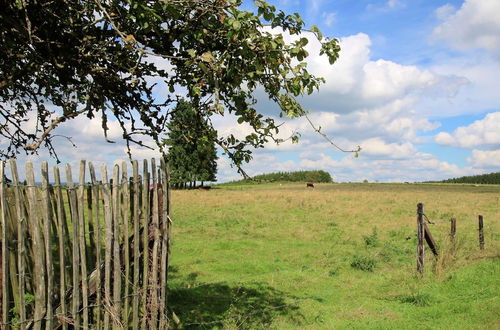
(309, 185)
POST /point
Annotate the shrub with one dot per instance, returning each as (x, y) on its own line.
(372, 240)
(417, 299)
(363, 263)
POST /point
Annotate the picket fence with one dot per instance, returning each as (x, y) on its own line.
(85, 255)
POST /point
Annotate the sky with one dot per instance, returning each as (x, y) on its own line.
(416, 86)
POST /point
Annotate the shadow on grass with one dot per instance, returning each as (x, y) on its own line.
(241, 306)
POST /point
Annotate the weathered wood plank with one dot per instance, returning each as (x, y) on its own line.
(481, 233)
(430, 240)
(125, 210)
(420, 236)
(453, 229)
(156, 243)
(47, 209)
(61, 217)
(39, 274)
(165, 248)
(117, 280)
(145, 243)
(75, 306)
(98, 243)
(21, 244)
(83, 248)
(136, 251)
(89, 227)
(4, 266)
(108, 219)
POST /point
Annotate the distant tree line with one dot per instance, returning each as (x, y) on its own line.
(298, 176)
(491, 178)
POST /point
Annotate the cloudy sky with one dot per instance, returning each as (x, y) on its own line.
(416, 86)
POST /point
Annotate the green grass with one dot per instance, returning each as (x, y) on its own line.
(337, 256)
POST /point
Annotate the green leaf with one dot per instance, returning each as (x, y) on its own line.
(207, 57)
(203, 67)
(236, 25)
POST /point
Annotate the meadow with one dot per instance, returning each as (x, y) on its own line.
(281, 256)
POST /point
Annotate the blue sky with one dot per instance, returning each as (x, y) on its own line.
(416, 86)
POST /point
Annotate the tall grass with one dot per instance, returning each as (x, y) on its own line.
(337, 256)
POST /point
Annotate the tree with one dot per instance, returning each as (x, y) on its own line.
(99, 58)
(191, 146)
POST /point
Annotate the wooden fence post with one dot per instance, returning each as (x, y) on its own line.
(63, 240)
(420, 236)
(47, 219)
(453, 229)
(21, 243)
(4, 266)
(136, 253)
(38, 246)
(146, 211)
(108, 220)
(73, 206)
(481, 233)
(430, 240)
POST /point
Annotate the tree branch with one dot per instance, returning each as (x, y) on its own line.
(318, 129)
(53, 124)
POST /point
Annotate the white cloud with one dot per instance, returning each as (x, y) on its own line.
(387, 6)
(489, 159)
(415, 167)
(386, 80)
(475, 25)
(377, 148)
(484, 132)
(357, 82)
(393, 3)
(329, 18)
(444, 12)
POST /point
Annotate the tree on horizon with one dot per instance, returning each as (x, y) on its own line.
(190, 143)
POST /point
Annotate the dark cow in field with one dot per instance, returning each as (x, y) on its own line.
(309, 185)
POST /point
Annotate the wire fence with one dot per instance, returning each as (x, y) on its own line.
(85, 255)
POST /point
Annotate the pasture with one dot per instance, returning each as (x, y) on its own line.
(336, 256)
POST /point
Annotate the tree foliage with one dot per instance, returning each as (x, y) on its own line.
(191, 146)
(316, 176)
(101, 58)
(490, 178)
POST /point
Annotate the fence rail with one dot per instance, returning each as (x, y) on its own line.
(85, 255)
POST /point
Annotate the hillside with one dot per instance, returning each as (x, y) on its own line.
(491, 178)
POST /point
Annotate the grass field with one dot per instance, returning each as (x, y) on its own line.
(337, 256)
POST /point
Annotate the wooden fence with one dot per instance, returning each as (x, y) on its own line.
(85, 255)
(423, 233)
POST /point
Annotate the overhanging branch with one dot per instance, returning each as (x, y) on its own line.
(50, 128)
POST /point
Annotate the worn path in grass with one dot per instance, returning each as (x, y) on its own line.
(336, 256)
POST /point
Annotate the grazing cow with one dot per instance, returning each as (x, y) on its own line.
(309, 185)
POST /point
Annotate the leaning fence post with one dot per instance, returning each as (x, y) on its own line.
(420, 235)
(481, 233)
(453, 229)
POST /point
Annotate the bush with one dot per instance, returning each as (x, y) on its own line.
(363, 263)
(372, 240)
(417, 299)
